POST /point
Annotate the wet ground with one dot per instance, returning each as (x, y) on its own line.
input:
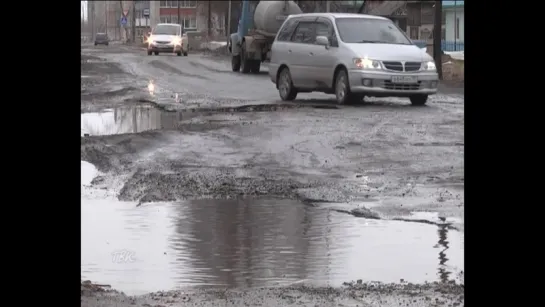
(256, 243)
(196, 177)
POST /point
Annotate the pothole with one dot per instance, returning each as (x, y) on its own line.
(218, 242)
(147, 116)
(128, 119)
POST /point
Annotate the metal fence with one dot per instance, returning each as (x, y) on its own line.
(445, 45)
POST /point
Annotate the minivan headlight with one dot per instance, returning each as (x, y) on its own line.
(365, 63)
(429, 66)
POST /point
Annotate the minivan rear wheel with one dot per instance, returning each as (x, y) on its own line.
(342, 89)
(285, 85)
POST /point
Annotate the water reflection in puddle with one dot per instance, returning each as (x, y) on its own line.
(249, 243)
(133, 119)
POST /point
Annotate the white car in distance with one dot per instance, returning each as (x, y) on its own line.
(167, 38)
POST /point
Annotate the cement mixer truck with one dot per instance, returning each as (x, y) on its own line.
(251, 45)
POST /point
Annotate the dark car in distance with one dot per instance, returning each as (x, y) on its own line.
(101, 39)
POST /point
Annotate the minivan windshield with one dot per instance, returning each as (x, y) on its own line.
(101, 35)
(166, 30)
(370, 30)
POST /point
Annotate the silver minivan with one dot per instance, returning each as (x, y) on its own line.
(351, 56)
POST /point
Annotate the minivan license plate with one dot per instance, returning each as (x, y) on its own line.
(404, 79)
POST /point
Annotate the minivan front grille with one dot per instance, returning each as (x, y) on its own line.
(397, 66)
(412, 66)
(389, 85)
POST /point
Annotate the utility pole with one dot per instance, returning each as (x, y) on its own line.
(179, 20)
(133, 21)
(327, 4)
(455, 26)
(209, 19)
(437, 51)
(92, 20)
(228, 32)
(106, 17)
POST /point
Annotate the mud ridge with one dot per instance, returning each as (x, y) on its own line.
(216, 183)
(446, 225)
(350, 294)
(115, 153)
(369, 214)
(119, 92)
(256, 108)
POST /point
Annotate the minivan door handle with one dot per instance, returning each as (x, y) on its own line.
(289, 50)
(311, 53)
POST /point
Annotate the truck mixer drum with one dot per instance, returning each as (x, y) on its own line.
(270, 15)
(249, 47)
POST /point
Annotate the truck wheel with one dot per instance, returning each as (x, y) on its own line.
(256, 66)
(149, 52)
(235, 62)
(245, 63)
(285, 85)
(185, 53)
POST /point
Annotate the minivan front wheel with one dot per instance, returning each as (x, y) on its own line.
(285, 85)
(342, 89)
(419, 100)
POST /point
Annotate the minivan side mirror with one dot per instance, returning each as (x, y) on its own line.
(322, 40)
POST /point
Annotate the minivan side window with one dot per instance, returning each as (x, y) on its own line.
(285, 32)
(305, 33)
(324, 27)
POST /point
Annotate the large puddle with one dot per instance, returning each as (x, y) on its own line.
(133, 119)
(250, 243)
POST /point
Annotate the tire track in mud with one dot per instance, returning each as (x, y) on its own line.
(171, 69)
(215, 70)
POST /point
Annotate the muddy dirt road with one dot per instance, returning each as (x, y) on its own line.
(181, 154)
